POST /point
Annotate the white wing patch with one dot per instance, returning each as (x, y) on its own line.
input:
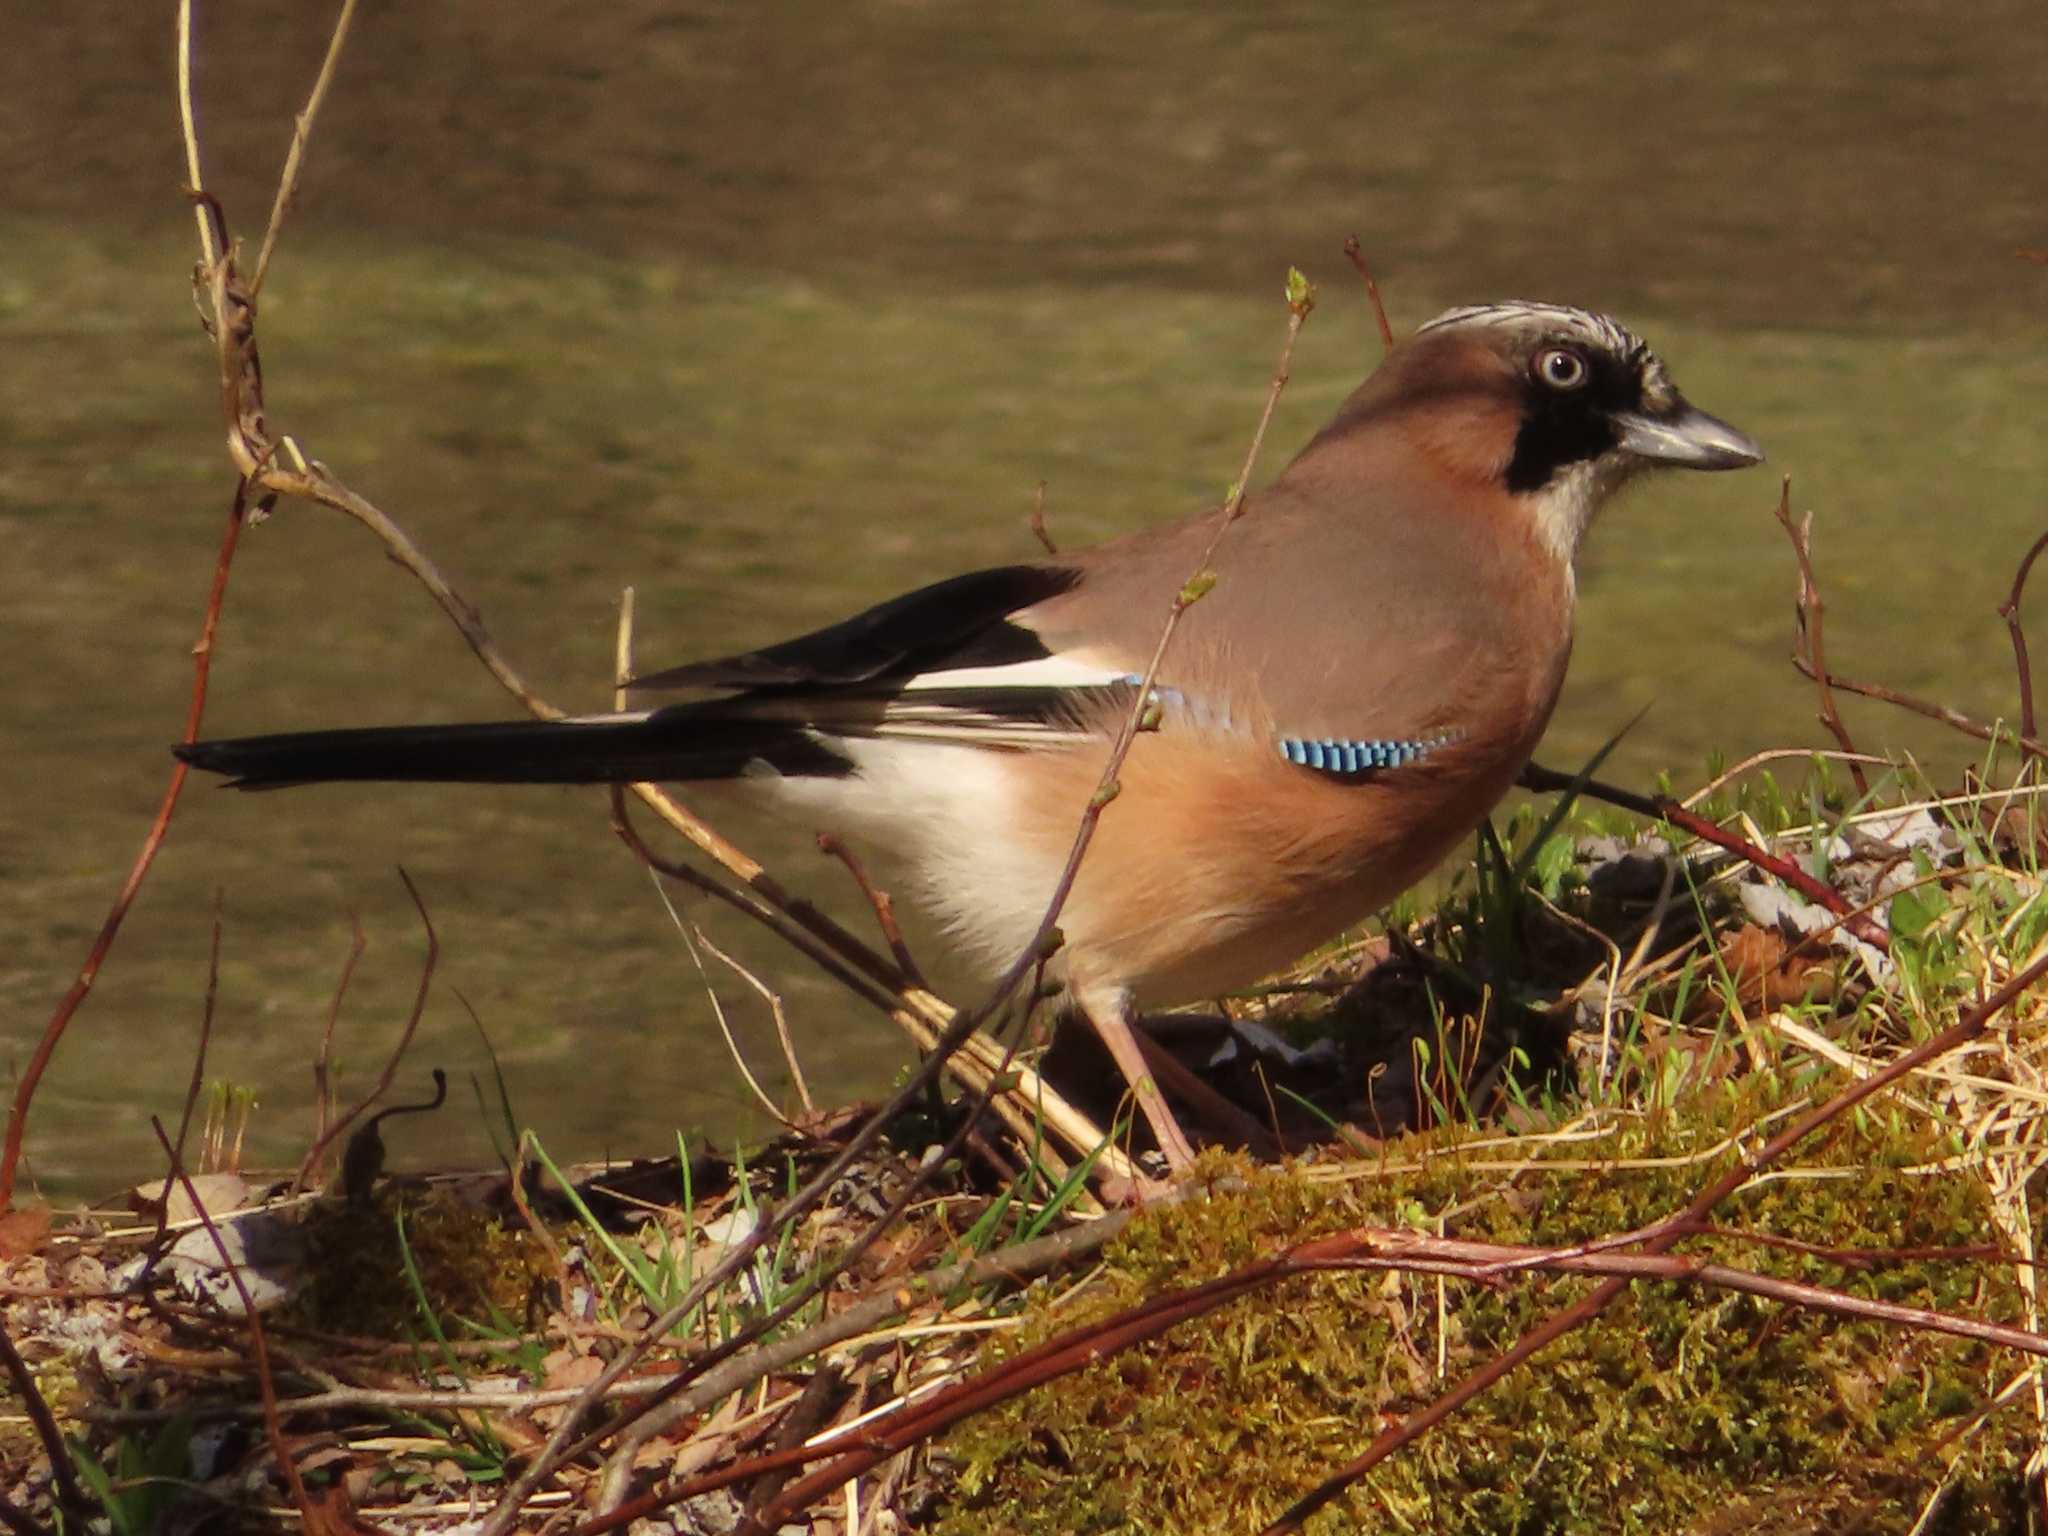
(1068, 671)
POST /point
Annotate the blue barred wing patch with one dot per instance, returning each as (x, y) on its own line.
(1351, 758)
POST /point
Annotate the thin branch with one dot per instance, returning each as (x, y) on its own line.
(1355, 254)
(1807, 631)
(1809, 657)
(71, 1498)
(323, 1081)
(103, 942)
(302, 130)
(1540, 780)
(879, 902)
(1038, 529)
(273, 1426)
(2009, 610)
(780, 1016)
(692, 937)
(159, 1242)
(187, 121)
(205, 1036)
(18, 1520)
(398, 1050)
(1953, 718)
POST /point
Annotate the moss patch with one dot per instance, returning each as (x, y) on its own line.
(469, 1264)
(1681, 1409)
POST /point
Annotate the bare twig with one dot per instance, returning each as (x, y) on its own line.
(71, 1498)
(1355, 254)
(776, 1012)
(18, 1520)
(311, 1160)
(1301, 300)
(273, 1425)
(1807, 631)
(1540, 780)
(2009, 610)
(103, 942)
(1038, 529)
(302, 130)
(879, 901)
(1951, 717)
(363, 1160)
(158, 1242)
(1808, 656)
(187, 121)
(323, 1083)
(205, 1035)
(692, 937)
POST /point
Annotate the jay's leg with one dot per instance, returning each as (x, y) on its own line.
(1110, 1013)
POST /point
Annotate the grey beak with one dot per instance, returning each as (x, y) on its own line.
(1688, 438)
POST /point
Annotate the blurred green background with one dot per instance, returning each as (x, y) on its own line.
(772, 311)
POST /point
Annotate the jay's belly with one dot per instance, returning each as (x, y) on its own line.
(1218, 863)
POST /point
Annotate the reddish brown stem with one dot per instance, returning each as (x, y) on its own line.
(259, 1346)
(2009, 610)
(1038, 529)
(412, 1023)
(1955, 719)
(323, 1083)
(1355, 253)
(879, 900)
(71, 1498)
(103, 943)
(1549, 781)
(205, 1037)
(1807, 639)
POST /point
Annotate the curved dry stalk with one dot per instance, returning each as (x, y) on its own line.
(1806, 640)
(398, 1050)
(71, 1498)
(302, 130)
(1777, 754)
(145, 857)
(1535, 777)
(693, 936)
(273, 1424)
(190, 126)
(2009, 610)
(1355, 254)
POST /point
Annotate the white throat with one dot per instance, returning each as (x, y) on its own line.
(1563, 510)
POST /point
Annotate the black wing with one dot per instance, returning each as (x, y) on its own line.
(960, 622)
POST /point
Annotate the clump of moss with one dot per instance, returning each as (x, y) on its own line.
(1681, 1409)
(469, 1264)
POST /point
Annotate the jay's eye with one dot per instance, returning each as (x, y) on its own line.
(1560, 368)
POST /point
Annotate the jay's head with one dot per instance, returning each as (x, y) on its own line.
(1555, 408)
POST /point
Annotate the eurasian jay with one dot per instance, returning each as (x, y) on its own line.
(1381, 650)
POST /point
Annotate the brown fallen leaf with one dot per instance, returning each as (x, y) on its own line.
(22, 1230)
(1768, 973)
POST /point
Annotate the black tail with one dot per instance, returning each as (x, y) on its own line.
(676, 744)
